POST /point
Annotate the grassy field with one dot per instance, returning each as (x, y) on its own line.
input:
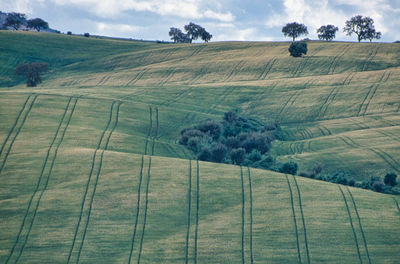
(91, 172)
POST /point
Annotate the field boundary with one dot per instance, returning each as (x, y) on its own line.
(243, 210)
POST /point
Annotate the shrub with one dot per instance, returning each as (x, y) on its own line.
(218, 152)
(86, 35)
(253, 156)
(257, 141)
(289, 167)
(69, 33)
(297, 49)
(238, 155)
(189, 133)
(378, 186)
(205, 154)
(194, 144)
(352, 182)
(390, 179)
(210, 127)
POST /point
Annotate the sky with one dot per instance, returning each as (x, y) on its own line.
(240, 20)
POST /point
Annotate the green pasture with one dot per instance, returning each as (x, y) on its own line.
(91, 170)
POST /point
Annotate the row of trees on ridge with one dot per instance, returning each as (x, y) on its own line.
(362, 27)
(18, 20)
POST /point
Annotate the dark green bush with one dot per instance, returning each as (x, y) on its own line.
(297, 49)
(218, 152)
(237, 155)
(390, 179)
(289, 167)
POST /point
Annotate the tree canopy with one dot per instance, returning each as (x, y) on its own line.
(32, 72)
(15, 20)
(363, 27)
(37, 23)
(193, 32)
(294, 30)
(327, 32)
(297, 49)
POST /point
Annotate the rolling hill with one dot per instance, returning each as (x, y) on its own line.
(91, 171)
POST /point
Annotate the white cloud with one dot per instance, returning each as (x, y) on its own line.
(107, 28)
(19, 6)
(180, 8)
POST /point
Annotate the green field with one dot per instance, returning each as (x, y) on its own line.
(91, 171)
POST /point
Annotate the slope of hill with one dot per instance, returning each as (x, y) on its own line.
(90, 170)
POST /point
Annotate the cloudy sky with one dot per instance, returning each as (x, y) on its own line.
(256, 20)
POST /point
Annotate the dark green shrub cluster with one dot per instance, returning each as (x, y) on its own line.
(235, 140)
(297, 49)
(375, 183)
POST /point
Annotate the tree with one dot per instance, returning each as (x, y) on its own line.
(390, 179)
(178, 36)
(294, 30)
(327, 32)
(297, 49)
(372, 34)
(15, 20)
(194, 31)
(38, 24)
(32, 72)
(363, 27)
(204, 35)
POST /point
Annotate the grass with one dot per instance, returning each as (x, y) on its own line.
(91, 159)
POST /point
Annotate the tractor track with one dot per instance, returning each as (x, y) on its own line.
(18, 130)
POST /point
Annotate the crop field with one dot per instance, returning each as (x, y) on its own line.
(91, 170)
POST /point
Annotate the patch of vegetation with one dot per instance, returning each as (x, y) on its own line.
(235, 140)
(374, 183)
(297, 49)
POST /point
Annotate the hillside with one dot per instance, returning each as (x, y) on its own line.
(90, 168)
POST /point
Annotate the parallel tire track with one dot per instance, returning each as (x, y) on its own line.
(88, 183)
(148, 185)
(50, 169)
(360, 225)
(97, 180)
(196, 231)
(34, 194)
(351, 223)
(243, 209)
(15, 124)
(189, 199)
(302, 218)
(17, 133)
(139, 187)
(294, 219)
(267, 69)
(332, 65)
(145, 210)
(251, 216)
(397, 204)
(137, 211)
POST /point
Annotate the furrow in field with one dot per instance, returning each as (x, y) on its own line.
(250, 216)
(294, 219)
(18, 130)
(302, 219)
(189, 204)
(397, 204)
(333, 64)
(234, 70)
(30, 216)
(360, 225)
(370, 58)
(88, 183)
(243, 214)
(97, 180)
(139, 187)
(15, 124)
(351, 224)
(196, 230)
(267, 69)
(147, 188)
